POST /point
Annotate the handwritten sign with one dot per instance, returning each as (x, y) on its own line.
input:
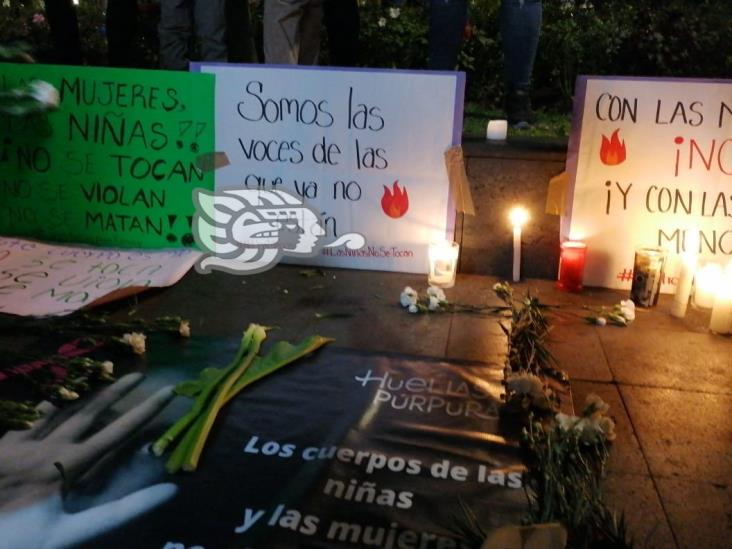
(366, 148)
(115, 165)
(43, 279)
(652, 166)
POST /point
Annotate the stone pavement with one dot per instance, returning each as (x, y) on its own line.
(668, 381)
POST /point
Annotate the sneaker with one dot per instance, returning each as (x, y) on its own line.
(518, 110)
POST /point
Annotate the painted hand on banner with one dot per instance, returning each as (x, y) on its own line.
(38, 464)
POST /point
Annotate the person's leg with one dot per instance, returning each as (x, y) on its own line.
(121, 23)
(520, 27)
(282, 30)
(310, 25)
(446, 26)
(61, 16)
(239, 32)
(210, 23)
(342, 23)
(175, 33)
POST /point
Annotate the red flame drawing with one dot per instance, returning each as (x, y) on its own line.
(395, 203)
(612, 151)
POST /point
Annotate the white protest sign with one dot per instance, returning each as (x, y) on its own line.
(44, 279)
(651, 161)
(365, 148)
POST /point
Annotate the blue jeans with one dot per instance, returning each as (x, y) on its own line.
(520, 26)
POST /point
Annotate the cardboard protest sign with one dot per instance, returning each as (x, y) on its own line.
(44, 279)
(114, 165)
(363, 147)
(343, 449)
(651, 165)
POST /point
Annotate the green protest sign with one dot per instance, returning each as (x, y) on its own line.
(115, 164)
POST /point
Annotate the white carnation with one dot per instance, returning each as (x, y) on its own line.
(434, 291)
(408, 297)
(136, 340)
(184, 329)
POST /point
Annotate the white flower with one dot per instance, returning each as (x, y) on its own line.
(107, 368)
(600, 321)
(434, 291)
(184, 329)
(607, 426)
(408, 297)
(394, 12)
(136, 340)
(44, 93)
(566, 422)
(413, 309)
(382, 22)
(595, 406)
(65, 394)
(434, 304)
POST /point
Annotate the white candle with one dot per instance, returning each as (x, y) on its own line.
(687, 268)
(721, 321)
(443, 256)
(496, 130)
(516, 254)
(518, 217)
(707, 281)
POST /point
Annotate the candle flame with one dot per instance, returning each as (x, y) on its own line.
(518, 216)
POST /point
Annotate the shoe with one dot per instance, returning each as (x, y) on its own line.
(518, 110)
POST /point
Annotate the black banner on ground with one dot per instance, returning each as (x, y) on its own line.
(344, 449)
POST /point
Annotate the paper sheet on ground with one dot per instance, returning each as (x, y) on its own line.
(44, 279)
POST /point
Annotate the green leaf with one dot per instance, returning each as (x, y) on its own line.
(281, 354)
(193, 387)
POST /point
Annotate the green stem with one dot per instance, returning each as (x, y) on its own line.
(199, 404)
(259, 334)
(183, 448)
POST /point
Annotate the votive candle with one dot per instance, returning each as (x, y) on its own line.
(571, 265)
(443, 256)
(648, 274)
(706, 283)
(497, 130)
(721, 321)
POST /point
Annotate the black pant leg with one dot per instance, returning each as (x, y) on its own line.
(342, 22)
(61, 16)
(121, 22)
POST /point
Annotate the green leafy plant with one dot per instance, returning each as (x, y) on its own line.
(563, 483)
(528, 336)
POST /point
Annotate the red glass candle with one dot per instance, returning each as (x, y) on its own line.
(571, 266)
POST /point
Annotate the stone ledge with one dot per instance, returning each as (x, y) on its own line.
(502, 175)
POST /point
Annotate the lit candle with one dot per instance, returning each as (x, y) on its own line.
(518, 217)
(496, 130)
(443, 256)
(706, 282)
(721, 321)
(571, 266)
(687, 268)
